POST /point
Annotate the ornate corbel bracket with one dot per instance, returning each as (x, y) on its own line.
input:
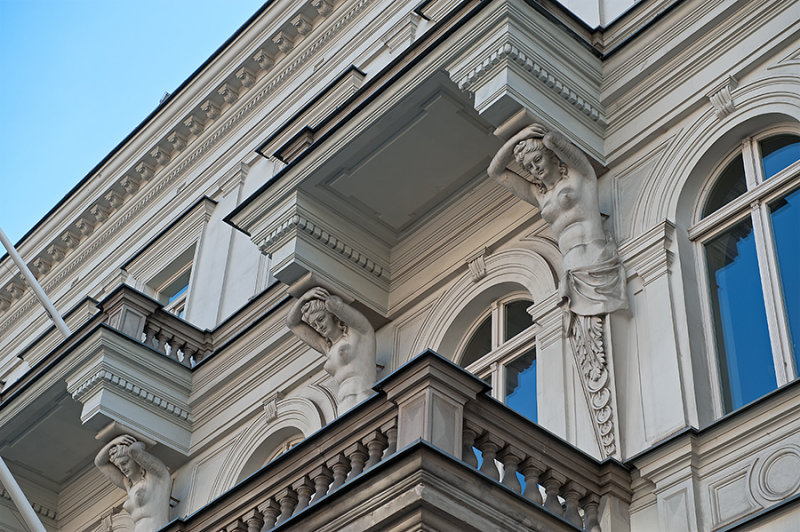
(588, 338)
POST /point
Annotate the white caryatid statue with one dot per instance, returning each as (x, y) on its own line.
(559, 180)
(344, 336)
(143, 476)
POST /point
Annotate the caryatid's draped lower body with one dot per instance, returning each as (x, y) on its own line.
(598, 288)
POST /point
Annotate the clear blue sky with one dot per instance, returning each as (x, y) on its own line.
(76, 76)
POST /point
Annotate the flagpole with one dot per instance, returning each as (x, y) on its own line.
(34, 284)
(8, 481)
(25, 508)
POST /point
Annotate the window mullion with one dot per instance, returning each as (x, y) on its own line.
(753, 172)
(773, 299)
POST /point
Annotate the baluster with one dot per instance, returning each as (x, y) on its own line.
(357, 454)
(511, 457)
(254, 520)
(288, 500)
(163, 338)
(591, 521)
(552, 482)
(572, 493)
(176, 346)
(340, 465)
(304, 489)
(468, 442)
(489, 445)
(150, 331)
(269, 511)
(390, 429)
(188, 352)
(322, 479)
(376, 442)
(531, 469)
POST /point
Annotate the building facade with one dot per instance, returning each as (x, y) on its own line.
(345, 144)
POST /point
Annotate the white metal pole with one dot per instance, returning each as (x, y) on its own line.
(34, 284)
(25, 508)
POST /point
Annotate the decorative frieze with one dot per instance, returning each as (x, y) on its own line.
(99, 212)
(302, 24)
(56, 252)
(160, 155)
(264, 60)
(42, 265)
(245, 77)
(194, 124)
(283, 42)
(228, 93)
(84, 226)
(144, 170)
(210, 109)
(323, 7)
(130, 184)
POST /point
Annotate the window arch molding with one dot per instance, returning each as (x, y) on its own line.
(730, 235)
(515, 270)
(672, 187)
(294, 415)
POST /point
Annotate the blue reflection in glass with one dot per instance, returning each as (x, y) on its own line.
(521, 385)
(745, 356)
(785, 222)
(779, 152)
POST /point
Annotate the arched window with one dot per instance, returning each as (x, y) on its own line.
(748, 231)
(499, 349)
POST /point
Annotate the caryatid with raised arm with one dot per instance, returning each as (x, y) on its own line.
(559, 180)
(344, 336)
(144, 477)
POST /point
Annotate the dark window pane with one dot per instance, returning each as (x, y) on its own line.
(779, 152)
(785, 223)
(729, 185)
(517, 318)
(521, 385)
(479, 344)
(740, 320)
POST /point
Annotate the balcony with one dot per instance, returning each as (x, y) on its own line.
(405, 460)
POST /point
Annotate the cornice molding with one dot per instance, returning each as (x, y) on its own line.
(38, 508)
(298, 222)
(507, 51)
(649, 255)
(106, 377)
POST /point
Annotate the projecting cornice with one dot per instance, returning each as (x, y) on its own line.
(560, 85)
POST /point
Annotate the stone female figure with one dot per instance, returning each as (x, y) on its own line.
(143, 476)
(344, 336)
(560, 181)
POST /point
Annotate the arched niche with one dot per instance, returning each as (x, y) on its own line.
(294, 417)
(513, 270)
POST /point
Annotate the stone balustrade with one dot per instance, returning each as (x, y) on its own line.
(304, 476)
(538, 465)
(432, 403)
(144, 319)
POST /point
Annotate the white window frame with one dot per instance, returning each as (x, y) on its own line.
(493, 364)
(754, 203)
